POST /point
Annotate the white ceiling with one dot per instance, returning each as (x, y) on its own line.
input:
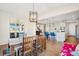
(21, 10)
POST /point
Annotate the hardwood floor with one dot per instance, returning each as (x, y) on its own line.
(52, 48)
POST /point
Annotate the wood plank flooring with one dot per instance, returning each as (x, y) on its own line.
(52, 48)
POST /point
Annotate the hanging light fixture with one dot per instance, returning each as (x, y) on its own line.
(33, 15)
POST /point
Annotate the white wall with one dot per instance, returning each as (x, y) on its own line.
(29, 27)
(4, 25)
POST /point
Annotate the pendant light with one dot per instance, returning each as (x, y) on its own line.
(33, 15)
